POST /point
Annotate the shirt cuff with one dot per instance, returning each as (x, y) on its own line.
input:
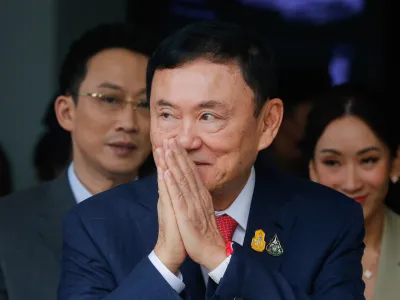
(175, 281)
(219, 271)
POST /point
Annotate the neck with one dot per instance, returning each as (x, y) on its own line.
(374, 230)
(97, 180)
(225, 196)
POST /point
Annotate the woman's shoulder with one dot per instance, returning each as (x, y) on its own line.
(392, 220)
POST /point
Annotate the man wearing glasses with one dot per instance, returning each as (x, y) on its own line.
(103, 105)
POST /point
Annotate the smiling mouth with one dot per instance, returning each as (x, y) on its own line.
(361, 199)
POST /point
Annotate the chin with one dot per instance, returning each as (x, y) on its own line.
(122, 168)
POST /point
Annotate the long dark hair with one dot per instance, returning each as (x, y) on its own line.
(349, 100)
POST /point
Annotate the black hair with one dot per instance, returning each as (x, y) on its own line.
(219, 42)
(349, 100)
(300, 85)
(102, 37)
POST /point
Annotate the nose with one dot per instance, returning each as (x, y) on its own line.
(353, 182)
(127, 120)
(188, 137)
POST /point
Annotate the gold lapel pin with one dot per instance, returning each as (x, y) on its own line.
(258, 241)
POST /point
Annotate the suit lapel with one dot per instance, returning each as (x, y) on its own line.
(55, 203)
(267, 213)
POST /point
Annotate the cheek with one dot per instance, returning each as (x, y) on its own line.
(155, 139)
(329, 177)
(144, 125)
(378, 177)
(157, 136)
(92, 127)
(233, 147)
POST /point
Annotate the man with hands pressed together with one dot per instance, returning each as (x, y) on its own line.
(212, 225)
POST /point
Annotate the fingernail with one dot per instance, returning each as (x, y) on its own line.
(395, 179)
(158, 151)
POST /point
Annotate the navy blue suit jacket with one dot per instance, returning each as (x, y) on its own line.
(107, 240)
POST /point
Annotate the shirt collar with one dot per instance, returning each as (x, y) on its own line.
(78, 189)
(240, 208)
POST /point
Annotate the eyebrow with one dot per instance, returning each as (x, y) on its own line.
(210, 104)
(332, 151)
(114, 86)
(368, 149)
(363, 151)
(164, 103)
(110, 85)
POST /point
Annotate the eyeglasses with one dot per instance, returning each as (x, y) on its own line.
(117, 101)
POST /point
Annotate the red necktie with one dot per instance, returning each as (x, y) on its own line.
(227, 226)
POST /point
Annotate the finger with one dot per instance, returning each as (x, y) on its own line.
(175, 193)
(186, 170)
(160, 154)
(179, 177)
(202, 194)
(162, 189)
(196, 183)
(164, 205)
(155, 155)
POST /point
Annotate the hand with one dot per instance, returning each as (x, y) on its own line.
(193, 207)
(169, 248)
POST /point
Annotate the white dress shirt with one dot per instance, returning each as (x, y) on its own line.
(239, 210)
(78, 189)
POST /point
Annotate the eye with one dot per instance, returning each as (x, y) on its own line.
(369, 160)
(208, 117)
(331, 163)
(165, 115)
(109, 99)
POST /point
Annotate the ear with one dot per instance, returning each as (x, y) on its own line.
(65, 112)
(270, 120)
(312, 172)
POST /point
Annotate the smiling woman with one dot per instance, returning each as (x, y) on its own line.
(349, 147)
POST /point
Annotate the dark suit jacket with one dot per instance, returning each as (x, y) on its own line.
(107, 240)
(30, 240)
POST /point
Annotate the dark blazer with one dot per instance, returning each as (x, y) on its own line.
(30, 240)
(107, 240)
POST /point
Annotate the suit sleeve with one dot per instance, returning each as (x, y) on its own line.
(85, 273)
(339, 278)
